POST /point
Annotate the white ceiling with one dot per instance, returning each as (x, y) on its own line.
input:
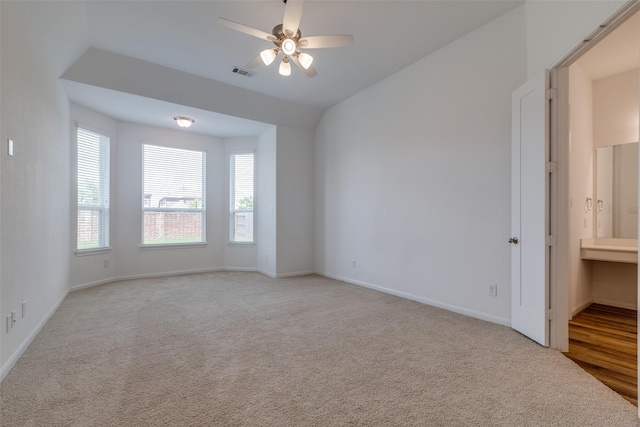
(137, 109)
(184, 35)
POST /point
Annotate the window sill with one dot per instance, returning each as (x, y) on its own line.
(173, 246)
(88, 252)
(241, 243)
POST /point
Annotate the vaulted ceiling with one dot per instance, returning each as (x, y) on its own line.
(181, 42)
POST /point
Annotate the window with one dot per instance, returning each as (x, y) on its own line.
(93, 190)
(241, 198)
(173, 202)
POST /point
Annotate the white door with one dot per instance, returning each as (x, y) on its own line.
(529, 211)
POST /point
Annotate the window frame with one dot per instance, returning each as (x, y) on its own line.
(231, 194)
(202, 210)
(104, 203)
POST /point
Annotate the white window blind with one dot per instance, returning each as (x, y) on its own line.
(93, 190)
(241, 197)
(173, 196)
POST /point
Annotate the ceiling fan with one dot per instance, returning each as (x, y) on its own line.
(288, 39)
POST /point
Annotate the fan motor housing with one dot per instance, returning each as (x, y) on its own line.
(280, 36)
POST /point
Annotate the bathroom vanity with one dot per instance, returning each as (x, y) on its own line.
(610, 249)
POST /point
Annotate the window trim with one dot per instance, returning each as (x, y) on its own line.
(231, 197)
(202, 210)
(87, 252)
(107, 170)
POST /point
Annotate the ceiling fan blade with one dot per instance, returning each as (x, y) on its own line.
(292, 15)
(310, 72)
(246, 29)
(255, 63)
(320, 42)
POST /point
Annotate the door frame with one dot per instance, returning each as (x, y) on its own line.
(559, 129)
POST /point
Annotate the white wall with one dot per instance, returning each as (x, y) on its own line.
(580, 184)
(413, 176)
(295, 201)
(615, 284)
(625, 221)
(616, 109)
(238, 256)
(35, 193)
(266, 203)
(134, 261)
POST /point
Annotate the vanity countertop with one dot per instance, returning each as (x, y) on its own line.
(608, 249)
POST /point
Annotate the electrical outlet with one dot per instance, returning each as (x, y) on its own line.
(353, 263)
(106, 263)
(13, 318)
(266, 258)
(493, 290)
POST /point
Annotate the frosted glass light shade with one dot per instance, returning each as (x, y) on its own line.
(289, 47)
(267, 56)
(305, 60)
(184, 122)
(285, 67)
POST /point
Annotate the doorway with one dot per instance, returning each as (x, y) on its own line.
(602, 182)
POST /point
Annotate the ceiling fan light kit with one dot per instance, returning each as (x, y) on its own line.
(288, 47)
(285, 67)
(305, 60)
(268, 56)
(287, 38)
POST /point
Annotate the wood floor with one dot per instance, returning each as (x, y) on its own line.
(603, 341)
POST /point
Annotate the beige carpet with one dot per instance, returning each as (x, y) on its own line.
(242, 349)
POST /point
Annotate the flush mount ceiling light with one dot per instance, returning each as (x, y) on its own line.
(288, 39)
(184, 122)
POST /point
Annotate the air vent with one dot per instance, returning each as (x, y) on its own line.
(243, 72)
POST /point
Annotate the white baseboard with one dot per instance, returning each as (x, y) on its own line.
(183, 272)
(92, 284)
(143, 276)
(166, 274)
(8, 365)
(456, 309)
(580, 308)
(295, 274)
(615, 303)
(267, 273)
(245, 269)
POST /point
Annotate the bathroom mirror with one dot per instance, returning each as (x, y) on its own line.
(616, 199)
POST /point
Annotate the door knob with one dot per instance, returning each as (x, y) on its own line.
(513, 240)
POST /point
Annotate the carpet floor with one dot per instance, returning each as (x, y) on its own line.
(242, 349)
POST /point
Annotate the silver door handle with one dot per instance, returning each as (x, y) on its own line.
(513, 240)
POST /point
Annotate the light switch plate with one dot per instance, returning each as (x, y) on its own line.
(10, 148)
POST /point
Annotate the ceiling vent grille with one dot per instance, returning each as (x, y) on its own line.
(243, 72)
